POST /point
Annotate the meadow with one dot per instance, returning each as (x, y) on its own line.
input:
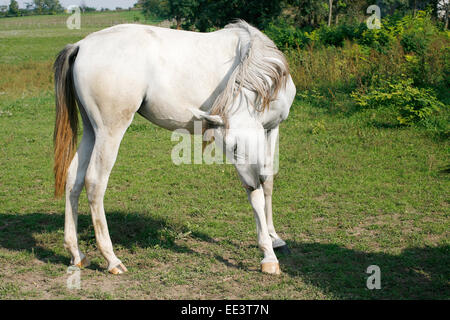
(350, 193)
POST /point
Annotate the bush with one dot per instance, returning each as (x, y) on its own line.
(336, 35)
(378, 39)
(410, 104)
(286, 36)
(401, 71)
(416, 33)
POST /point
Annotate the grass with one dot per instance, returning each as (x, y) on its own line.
(349, 194)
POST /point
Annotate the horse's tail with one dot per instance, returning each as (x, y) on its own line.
(66, 123)
(261, 69)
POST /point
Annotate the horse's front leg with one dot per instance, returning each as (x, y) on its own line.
(246, 149)
(270, 262)
(249, 175)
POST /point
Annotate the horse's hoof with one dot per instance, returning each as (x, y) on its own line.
(83, 263)
(283, 249)
(271, 268)
(118, 269)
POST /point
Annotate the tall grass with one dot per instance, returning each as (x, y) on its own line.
(25, 79)
(328, 76)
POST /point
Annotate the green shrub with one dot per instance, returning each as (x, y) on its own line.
(438, 126)
(378, 39)
(399, 73)
(414, 42)
(336, 35)
(410, 104)
(286, 36)
(416, 32)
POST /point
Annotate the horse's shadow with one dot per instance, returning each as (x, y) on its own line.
(414, 273)
(20, 232)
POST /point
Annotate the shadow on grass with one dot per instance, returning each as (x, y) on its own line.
(416, 273)
(384, 124)
(18, 232)
(445, 170)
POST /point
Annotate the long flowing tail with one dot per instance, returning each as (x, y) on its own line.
(66, 123)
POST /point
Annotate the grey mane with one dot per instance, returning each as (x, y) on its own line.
(262, 69)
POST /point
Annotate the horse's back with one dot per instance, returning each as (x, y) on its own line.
(162, 71)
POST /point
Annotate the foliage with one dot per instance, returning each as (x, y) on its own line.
(378, 39)
(286, 36)
(410, 104)
(153, 8)
(219, 13)
(85, 8)
(369, 194)
(13, 8)
(207, 14)
(336, 35)
(402, 69)
(47, 6)
(416, 32)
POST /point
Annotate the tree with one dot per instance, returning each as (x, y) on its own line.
(352, 11)
(3, 10)
(443, 7)
(53, 6)
(13, 8)
(216, 14)
(391, 7)
(308, 12)
(38, 6)
(341, 9)
(153, 8)
(85, 8)
(330, 11)
(47, 6)
(180, 10)
(205, 14)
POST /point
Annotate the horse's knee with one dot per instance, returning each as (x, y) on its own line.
(74, 190)
(268, 186)
(249, 176)
(92, 189)
(250, 187)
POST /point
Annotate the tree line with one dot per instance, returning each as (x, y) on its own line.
(207, 14)
(36, 7)
(204, 15)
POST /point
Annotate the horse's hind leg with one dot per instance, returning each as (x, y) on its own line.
(74, 185)
(271, 141)
(104, 154)
(268, 190)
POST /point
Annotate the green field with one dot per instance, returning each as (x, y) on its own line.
(348, 195)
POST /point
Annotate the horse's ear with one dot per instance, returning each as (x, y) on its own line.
(213, 119)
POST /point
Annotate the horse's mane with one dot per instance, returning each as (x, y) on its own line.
(262, 69)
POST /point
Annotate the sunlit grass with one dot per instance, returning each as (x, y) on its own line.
(348, 194)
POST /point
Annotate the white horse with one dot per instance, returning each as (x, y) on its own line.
(234, 78)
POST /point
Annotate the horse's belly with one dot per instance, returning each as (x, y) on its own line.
(166, 116)
(178, 86)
